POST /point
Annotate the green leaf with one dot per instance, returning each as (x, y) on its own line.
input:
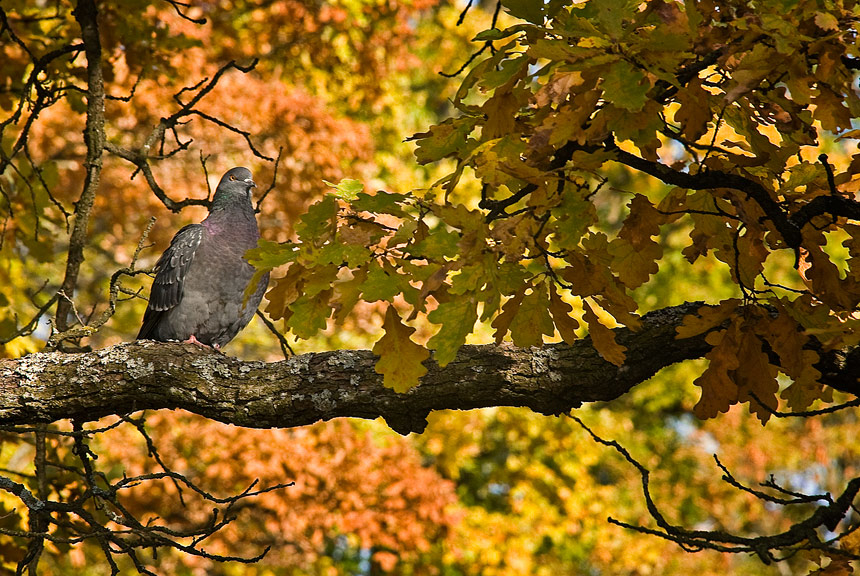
(531, 10)
(507, 70)
(320, 278)
(268, 254)
(491, 34)
(400, 359)
(443, 139)
(457, 318)
(337, 253)
(625, 86)
(318, 224)
(440, 243)
(379, 284)
(309, 314)
(575, 214)
(347, 189)
(380, 203)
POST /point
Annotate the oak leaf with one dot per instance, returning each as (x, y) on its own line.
(719, 391)
(532, 320)
(400, 359)
(603, 338)
(310, 314)
(503, 321)
(706, 318)
(561, 310)
(457, 318)
(755, 377)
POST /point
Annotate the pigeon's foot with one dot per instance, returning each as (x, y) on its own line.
(193, 340)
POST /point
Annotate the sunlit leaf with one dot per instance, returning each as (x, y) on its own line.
(399, 357)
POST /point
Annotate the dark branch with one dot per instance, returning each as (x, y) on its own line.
(800, 536)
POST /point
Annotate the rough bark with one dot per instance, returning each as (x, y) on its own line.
(553, 379)
(51, 386)
(86, 14)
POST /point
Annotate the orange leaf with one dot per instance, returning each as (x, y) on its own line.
(285, 292)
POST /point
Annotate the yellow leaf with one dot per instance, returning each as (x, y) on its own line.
(400, 359)
(501, 110)
(634, 265)
(347, 293)
(806, 387)
(751, 254)
(564, 322)
(603, 338)
(694, 112)
(831, 111)
(590, 275)
(821, 275)
(786, 338)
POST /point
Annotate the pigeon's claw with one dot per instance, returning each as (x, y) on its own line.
(193, 340)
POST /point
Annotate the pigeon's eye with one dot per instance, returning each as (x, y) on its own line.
(232, 177)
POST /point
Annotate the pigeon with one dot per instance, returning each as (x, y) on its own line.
(198, 294)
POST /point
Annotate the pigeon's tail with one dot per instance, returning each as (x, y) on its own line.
(150, 323)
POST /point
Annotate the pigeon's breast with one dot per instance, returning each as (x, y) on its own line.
(214, 300)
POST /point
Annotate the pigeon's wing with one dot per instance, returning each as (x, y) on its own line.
(170, 269)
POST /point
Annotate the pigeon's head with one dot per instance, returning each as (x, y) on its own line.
(234, 187)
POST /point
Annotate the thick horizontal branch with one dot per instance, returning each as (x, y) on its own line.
(304, 389)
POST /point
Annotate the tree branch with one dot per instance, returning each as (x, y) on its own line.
(94, 135)
(51, 386)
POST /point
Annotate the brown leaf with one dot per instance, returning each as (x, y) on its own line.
(719, 391)
(503, 321)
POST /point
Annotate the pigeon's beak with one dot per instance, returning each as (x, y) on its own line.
(250, 183)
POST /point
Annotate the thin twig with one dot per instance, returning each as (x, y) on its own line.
(285, 346)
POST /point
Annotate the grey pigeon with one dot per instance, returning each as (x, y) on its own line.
(198, 294)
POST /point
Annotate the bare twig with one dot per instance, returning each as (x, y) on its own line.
(285, 346)
(179, 5)
(802, 535)
(274, 180)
